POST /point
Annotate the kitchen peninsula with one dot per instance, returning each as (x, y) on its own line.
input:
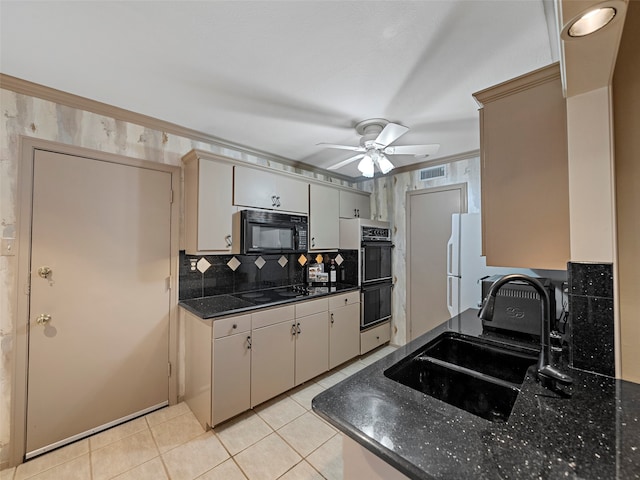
(593, 434)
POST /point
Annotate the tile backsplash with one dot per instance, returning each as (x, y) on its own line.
(207, 275)
(592, 323)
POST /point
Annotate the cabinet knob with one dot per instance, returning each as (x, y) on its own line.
(346, 300)
(234, 326)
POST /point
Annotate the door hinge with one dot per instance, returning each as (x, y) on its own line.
(171, 197)
(27, 286)
(169, 282)
(169, 369)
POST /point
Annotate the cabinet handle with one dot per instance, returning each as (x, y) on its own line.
(249, 342)
(346, 300)
(332, 320)
(358, 210)
(299, 331)
(355, 212)
(293, 329)
(228, 240)
(277, 201)
(273, 200)
(313, 241)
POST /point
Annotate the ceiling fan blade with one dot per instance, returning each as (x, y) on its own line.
(345, 162)
(417, 150)
(342, 147)
(390, 134)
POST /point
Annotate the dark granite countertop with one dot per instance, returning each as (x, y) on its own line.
(595, 434)
(245, 302)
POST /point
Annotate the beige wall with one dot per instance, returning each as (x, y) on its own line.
(626, 106)
(591, 191)
(24, 115)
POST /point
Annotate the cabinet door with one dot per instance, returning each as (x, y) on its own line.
(254, 188)
(344, 334)
(524, 173)
(354, 205)
(312, 347)
(292, 195)
(231, 376)
(208, 206)
(324, 217)
(260, 189)
(272, 361)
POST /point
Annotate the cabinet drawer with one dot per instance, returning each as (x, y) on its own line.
(230, 326)
(309, 308)
(272, 316)
(343, 300)
(375, 337)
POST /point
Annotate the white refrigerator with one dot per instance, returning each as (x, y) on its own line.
(466, 267)
(465, 264)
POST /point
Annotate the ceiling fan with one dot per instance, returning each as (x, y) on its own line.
(377, 136)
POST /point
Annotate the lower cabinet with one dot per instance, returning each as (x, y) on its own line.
(231, 367)
(374, 337)
(312, 340)
(344, 328)
(272, 358)
(235, 363)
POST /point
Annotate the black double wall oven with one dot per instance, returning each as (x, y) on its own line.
(376, 280)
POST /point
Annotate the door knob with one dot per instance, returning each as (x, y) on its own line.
(44, 272)
(43, 319)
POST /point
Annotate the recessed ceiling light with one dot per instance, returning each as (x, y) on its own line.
(591, 20)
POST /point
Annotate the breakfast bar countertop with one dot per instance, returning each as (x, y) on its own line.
(594, 434)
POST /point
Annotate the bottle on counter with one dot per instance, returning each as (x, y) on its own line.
(332, 275)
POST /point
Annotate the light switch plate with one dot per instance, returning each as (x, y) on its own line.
(7, 247)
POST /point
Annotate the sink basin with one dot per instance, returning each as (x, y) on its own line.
(475, 375)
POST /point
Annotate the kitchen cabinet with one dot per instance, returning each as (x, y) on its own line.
(374, 337)
(257, 188)
(344, 328)
(231, 367)
(524, 172)
(354, 204)
(235, 363)
(272, 353)
(324, 218)
(312, 340)
(208, 206)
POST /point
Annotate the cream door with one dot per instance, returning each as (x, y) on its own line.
(231, 376)
(429, 221)
(344, 334)
(324, 222)
(99, 304)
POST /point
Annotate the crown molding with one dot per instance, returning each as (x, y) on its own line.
(25, 87)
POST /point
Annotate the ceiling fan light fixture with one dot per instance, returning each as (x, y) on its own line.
(366, 166)
(384, 164)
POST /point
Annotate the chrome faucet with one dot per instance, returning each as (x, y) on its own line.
(544, 369)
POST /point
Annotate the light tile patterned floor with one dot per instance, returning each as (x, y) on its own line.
(280, 439)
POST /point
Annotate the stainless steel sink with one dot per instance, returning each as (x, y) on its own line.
(475, 375)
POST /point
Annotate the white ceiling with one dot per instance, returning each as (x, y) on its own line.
(282, 76)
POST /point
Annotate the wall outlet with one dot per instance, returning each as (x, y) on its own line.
(7, 247)
(194, 264)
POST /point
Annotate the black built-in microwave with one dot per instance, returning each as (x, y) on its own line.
(270, 232)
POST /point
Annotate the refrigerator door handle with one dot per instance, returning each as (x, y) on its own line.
(452, 295)
(453, 247)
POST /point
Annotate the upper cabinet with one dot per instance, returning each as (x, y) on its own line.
(260, 189)
(354, 205)
(324, 223)
(524, 172)
(208, 204)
